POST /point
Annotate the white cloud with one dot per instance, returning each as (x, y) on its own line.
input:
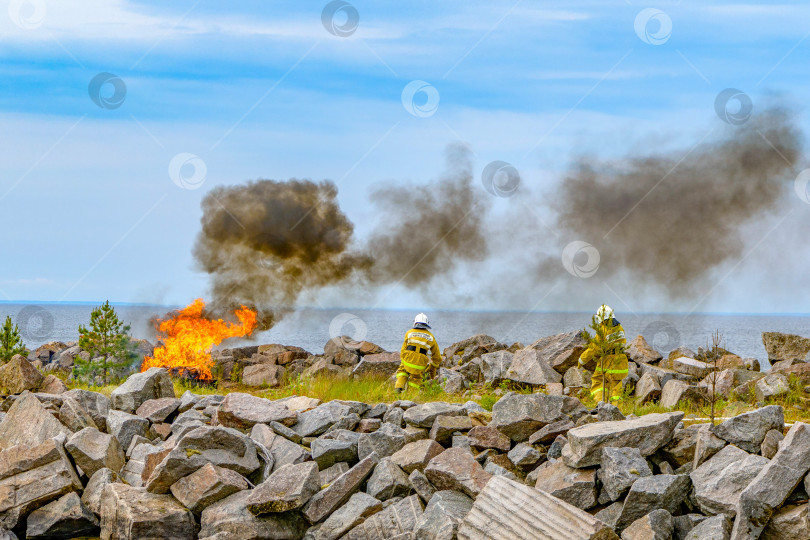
(121, 21)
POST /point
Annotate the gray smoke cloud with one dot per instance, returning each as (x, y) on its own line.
(429, 230)
(665, 219)
(266, 241)
(669, 219)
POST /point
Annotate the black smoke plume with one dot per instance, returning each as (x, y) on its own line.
(429, 230)
(669, 219)
(265, 242)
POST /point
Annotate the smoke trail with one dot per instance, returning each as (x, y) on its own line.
(670, 219)
(429, 230)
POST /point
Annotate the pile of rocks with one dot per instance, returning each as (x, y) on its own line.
(144, 463)
(551, 364)
(273, 365)
(686, 375)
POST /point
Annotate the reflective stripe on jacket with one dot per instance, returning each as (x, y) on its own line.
(418, 344)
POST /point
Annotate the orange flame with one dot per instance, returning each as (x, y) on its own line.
(189, 336)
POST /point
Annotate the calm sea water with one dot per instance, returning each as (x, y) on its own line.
(311, 328)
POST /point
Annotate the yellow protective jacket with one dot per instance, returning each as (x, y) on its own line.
(418, 344)
(614, 365)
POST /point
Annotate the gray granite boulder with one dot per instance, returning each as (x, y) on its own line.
(520, 415)
(416, 455)
(329, 499)
(327, 452)
(421, 485)
(64, 518)
(220, 446)
(577, 487)
(353, 513)
(384, 442)
(123, 426)
(316, 421)
(663, 491)
(442, 516)
(396, 521)
(153, 383)
(388, 481)
(648, 433)
(719, 481)
(230, 519)
(657, 525)
(771, 487)
(158, 410)
(495, 365)
(129, 513)
(424, 415)
(243, 411)
(91, 497)
(206, 486)
(288, 488)
(790, 522)
(529, 367)
(96, 404)
(748, 430)
(29, 424)
(620, 469)
(74, 415)
(456, 469)
(93, 450)
(714, 528)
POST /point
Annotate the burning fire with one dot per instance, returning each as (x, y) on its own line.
(188, 337)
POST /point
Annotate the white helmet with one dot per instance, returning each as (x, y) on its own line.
(421, 319)
(604, 313)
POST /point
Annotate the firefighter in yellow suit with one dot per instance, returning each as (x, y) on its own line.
(420, 357)
(614, 365)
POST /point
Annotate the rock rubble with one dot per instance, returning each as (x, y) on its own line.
(146, 463)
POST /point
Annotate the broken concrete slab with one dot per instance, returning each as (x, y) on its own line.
(506, 509)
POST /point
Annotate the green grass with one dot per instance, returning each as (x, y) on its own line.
(368, 390)
(796, 402)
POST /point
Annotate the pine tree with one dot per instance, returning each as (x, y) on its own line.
(601, 350)
(11, 342)
(107, 341)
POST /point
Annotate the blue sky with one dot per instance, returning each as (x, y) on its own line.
(260, 89)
